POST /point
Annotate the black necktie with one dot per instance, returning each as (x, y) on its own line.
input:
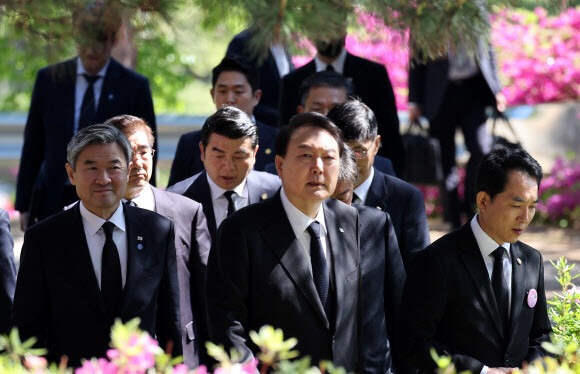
(329, 67)
(319, 266)
(87, 116)
(131, 202)
(499, 285)
(355, 198)
(111, 280)
(231, 205)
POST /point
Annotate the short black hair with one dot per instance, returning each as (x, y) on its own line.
(309, 119)
(356, 120)
(496, 165)
(96, 21)
(325, 78)
(230, 122)
(238, 64)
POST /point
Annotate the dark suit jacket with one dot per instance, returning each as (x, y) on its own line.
(58, 299)
(383, 277)
(428, 82)
(448, 304)
(257, 275)
(50, 126)
(192, 244)
(406, 206)
(187, 161)
(7, 271)
(267, 109)
(259, 184)
(372, 85)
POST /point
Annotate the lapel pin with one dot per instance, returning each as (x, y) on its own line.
(139, 238)
(139, 246)
(264, 196)
(111, 96)
(268, 151)
(519, 261)
(532, 297)
(341, 230)
(379, 208)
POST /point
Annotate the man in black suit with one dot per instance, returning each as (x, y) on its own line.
(7, 271)
(477, 294)
(371, 84)
(272, 65)
(101, 260)
(68, 97)
(233, 84)
(383, 277)
(292, 261)
(192, 239)
(403, 202)
(228, 147)
(453, 92)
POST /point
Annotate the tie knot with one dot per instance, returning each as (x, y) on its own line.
(108, 228)
(91, 79)
(498, 253)
(314, 229)
(229, 194)
(329, 67)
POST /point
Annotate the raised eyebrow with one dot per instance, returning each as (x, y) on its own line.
(217, 150)
(520, 200)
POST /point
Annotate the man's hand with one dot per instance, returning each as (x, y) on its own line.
(24, 216)
(501, 101)
(500, 370)
(414, 113)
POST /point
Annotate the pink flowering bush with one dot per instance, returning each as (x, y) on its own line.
(539, 56)
(560, 194)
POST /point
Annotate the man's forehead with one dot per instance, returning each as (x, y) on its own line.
(231, 78)
(326, 92)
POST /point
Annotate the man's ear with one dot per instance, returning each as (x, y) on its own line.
(201, 152)
(129, 167)
(71, 173)
(483, 200)
(279, 162)
(377, 143)
(211, 92)
(257, 96)
(299, 109)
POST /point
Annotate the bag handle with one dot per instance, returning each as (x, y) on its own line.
(497, 115)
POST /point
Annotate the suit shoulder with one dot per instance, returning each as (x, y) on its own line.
(268, 180)
(341, 208)
(148, 217)
(191, 136)
(182, 186)
(299, 74)
(132, 74)
(265, 130)
(529, 251)
(182, 203)
(400, 185)
(368, 64)
(370, 213)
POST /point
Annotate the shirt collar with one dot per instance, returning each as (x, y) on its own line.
(93, 223)
(81, 69)
(298, 220)
(363, 190)
(144, 197)
(216, 191)
(486, 244)
(337, 64)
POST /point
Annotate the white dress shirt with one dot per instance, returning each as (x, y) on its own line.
(300, 222)
(362, 191)
(337, 64)
(487, 245)
(144, 199)
(220, 202)
(96, 239)
(81, 88)
(281, 58)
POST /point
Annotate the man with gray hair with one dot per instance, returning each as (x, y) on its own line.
(99, 261)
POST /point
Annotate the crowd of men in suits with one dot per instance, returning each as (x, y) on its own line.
(303, 226)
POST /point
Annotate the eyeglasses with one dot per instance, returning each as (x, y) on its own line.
(360, 153)
(143, 153)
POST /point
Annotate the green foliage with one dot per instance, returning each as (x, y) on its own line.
(565, 309)
(273, 346)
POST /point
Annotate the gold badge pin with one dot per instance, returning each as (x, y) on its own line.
(264, 196)
(268, 151)
(379, 208)
(519, 261)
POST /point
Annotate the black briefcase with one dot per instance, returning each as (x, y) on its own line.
(423, 156)
(500, 141)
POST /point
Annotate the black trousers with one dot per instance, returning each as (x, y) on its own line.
(464, 107)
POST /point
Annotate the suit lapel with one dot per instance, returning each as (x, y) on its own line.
(518, 287)
(255, 194)
(80, 256)
(107, 97)
(280, 237)
(473, 261)
(135, 235)
(163, 205)
(199, 191)
(377, 193)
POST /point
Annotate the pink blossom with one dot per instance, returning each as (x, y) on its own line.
(100, 366)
